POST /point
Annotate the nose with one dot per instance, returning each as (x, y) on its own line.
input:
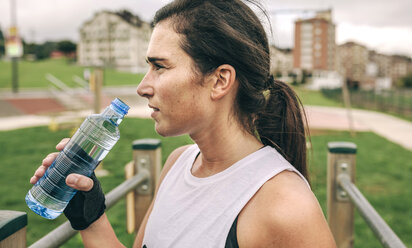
(145, 88)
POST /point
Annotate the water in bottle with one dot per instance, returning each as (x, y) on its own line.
(88, 146)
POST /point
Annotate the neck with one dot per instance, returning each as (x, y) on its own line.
(222, 146)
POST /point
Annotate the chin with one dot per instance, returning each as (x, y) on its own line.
(161, 131)
(164, 132)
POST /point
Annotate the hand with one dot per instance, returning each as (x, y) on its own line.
(75, 181)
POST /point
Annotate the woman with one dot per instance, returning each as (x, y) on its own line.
(242, 184)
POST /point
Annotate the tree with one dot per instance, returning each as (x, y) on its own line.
(30, 48)
(407, 81)
(66, 47)
(44, 50)
(2, 42)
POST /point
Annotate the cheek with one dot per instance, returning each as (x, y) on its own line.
(187, 108)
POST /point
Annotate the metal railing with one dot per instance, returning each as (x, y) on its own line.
(142, 174)
(343, 195)
(64, 232)
(379, 227)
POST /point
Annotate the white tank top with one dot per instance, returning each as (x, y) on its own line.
(198, 212)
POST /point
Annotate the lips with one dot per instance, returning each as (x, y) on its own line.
(153, 107)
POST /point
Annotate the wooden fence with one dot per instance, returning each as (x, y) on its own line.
(12, 229)
(142, 174)
(391, 101)
(343, 196)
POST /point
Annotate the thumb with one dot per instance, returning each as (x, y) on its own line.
(79, 182)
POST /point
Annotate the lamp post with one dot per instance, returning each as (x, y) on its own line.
(14, 47)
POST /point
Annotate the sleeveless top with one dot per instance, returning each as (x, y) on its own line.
(198, 212)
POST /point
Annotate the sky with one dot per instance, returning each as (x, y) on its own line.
(381, 25)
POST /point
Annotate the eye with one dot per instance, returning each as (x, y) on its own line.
(157, 66)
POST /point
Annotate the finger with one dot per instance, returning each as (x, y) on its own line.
(62, 144)
(79, 182)
(40, 171)
(34, 179)
(49, 159)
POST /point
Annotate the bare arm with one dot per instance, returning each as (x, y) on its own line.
(100, 234)
(284, 213)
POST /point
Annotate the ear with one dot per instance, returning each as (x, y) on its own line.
(224, 80)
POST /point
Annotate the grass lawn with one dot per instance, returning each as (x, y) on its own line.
(384, 173)
(312, 97)
(23, 150)
(32, 74)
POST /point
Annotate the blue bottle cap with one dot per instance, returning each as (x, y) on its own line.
(120, 106)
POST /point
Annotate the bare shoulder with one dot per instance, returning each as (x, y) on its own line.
(284, 213)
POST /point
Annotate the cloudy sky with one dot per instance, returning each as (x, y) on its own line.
(382, 25)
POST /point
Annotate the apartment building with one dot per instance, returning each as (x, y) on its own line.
(353, 59)
(364, 67)
(114, 39)
(281, 61)
(315, 45)
(383, 63)
(400, 67)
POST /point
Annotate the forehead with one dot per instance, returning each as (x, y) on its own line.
(164, 42)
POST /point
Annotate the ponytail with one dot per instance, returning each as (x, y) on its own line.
(281, 124)
(230, 32)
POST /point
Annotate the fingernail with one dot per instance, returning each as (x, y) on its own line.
(32, 179)
(72, 179)
(47, 157)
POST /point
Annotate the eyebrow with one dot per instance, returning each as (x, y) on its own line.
(154, 59)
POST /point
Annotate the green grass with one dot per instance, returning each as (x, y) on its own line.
(23, 150)
(32, 74)
(384, 173)
(312, 97)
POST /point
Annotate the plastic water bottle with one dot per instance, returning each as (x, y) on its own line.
(88, 146)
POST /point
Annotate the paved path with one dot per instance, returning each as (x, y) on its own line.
(23, 121)
(394, 129)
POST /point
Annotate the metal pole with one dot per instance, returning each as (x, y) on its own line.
(346, 102)
(64, 232)
(340, 211)
(15, 74)
(14, 60)
(379, 227)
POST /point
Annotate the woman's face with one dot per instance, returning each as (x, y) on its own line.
(175, 92)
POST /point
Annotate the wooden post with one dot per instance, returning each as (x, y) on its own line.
(340, 210)
(12, 229)
(97, 90)
(130, 199)
(346, 101)
(146, 156)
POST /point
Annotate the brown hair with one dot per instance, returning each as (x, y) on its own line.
(217, 32)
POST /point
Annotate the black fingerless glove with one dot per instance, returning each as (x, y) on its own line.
(86, 207)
